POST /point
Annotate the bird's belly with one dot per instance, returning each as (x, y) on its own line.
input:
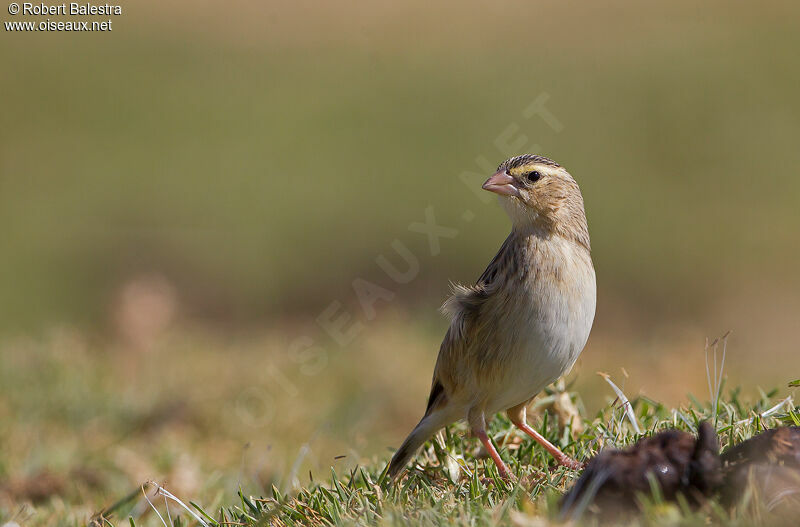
(549, 337)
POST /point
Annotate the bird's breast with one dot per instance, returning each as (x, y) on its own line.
(547, 314)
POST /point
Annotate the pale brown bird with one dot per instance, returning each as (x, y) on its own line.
(525, 321)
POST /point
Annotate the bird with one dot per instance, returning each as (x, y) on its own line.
(525, 321)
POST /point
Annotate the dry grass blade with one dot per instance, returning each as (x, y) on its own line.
(161, 491)
(625, 402)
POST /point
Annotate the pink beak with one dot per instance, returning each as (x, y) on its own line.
(501, 183)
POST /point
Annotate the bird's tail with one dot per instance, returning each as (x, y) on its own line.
(425, 429)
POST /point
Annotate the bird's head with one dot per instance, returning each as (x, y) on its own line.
(538, 193)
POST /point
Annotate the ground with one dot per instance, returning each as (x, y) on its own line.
(229, 428)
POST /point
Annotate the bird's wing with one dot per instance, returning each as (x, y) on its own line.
(499, 262)
(464, 307)
(465, 303)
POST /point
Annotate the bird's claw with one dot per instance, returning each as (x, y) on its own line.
(570, 463)
(507, 478)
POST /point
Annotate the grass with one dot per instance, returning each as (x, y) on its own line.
(447, 484)
(84, 423)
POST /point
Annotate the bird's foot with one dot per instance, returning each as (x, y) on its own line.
(507, 477)
(570, 463)
(536, 478)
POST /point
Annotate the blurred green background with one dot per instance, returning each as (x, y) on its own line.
(235, 149)
(226, 170)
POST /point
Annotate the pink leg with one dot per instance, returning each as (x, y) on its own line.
(518, 417)
(487, 443)
(477, 423)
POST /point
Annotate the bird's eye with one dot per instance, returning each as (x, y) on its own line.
(533, 177)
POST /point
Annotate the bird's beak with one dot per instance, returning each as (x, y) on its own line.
(501, 183)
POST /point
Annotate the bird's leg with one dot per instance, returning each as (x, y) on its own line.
(487, 443)
(478, 424)
(518, 414)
